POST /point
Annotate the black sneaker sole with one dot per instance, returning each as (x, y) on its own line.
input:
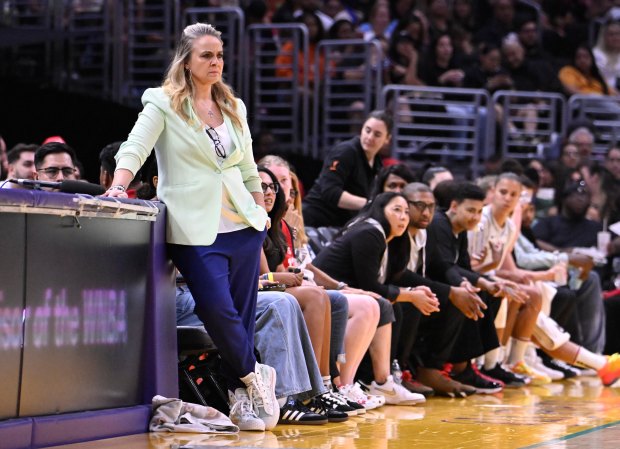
(489, 390)
(313, 422)
(340, 419)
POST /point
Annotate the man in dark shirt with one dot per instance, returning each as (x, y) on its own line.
(527, 75)
(570, 228)
(346, 178)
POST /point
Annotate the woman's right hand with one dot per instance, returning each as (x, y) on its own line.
(291, 279)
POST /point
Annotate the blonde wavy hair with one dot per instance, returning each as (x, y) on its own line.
(178, 83)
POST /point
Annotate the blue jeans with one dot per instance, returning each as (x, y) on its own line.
(283, 342)
(185, 308)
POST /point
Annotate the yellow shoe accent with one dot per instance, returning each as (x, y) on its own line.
(536, 377)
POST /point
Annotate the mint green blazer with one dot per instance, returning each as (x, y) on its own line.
(190, 180)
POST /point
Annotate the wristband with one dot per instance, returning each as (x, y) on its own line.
(270, 277)
(117, 187)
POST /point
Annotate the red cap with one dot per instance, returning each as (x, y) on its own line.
(54, 139)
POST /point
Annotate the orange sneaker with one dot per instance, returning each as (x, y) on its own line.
(611, 371)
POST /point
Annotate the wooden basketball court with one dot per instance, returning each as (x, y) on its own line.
(577, 413)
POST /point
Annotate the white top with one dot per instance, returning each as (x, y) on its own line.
(490, 236)
(230, 220)
(418, 245)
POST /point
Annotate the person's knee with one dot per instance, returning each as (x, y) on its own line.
(368, 308)
(534, 301)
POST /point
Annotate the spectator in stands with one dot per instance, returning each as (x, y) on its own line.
(401, 11)
(282, 341)
(569, 156)
(582, 76)
(607, 53)
(529, 37)
(216, 216)
(438, 16)
(107, 166)
(583, 139)
(285, 58)
(526, 75)
(434, 175)
(21, 164)
(463, 15)
(55, 162)
(392, 179)
(561, 35)
(378, 22)
(346, 178)
(440, 67)
(499, 24)
(570, 228)
(590, 314)
(404, 59)
(489, 73)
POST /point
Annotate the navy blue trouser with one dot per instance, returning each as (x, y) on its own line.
(223, 279)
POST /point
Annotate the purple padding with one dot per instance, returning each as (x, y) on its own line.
(87, 426)
(16, 197)
(54, 200)
(16, 433)
(160, 357)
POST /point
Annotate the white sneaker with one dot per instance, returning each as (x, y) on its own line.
(261, 386)
(241, 412)
(395, 394)
(374, 400)
(355, 394)
(536, 363)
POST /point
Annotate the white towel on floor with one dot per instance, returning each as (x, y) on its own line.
(174, 415)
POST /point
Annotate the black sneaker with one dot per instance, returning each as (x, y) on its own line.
(509, 379)
(294, 412)
(482, 383)
(558, 365)
(327, 406)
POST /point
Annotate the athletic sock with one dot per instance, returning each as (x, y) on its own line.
(490, 359)
(517, 350)
(588, 359)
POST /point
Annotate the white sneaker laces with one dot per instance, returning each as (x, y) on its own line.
(259, 395)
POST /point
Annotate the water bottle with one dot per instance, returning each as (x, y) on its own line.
(397, 374)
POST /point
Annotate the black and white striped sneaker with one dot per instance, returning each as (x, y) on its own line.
(332, 408)
(294, 412)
